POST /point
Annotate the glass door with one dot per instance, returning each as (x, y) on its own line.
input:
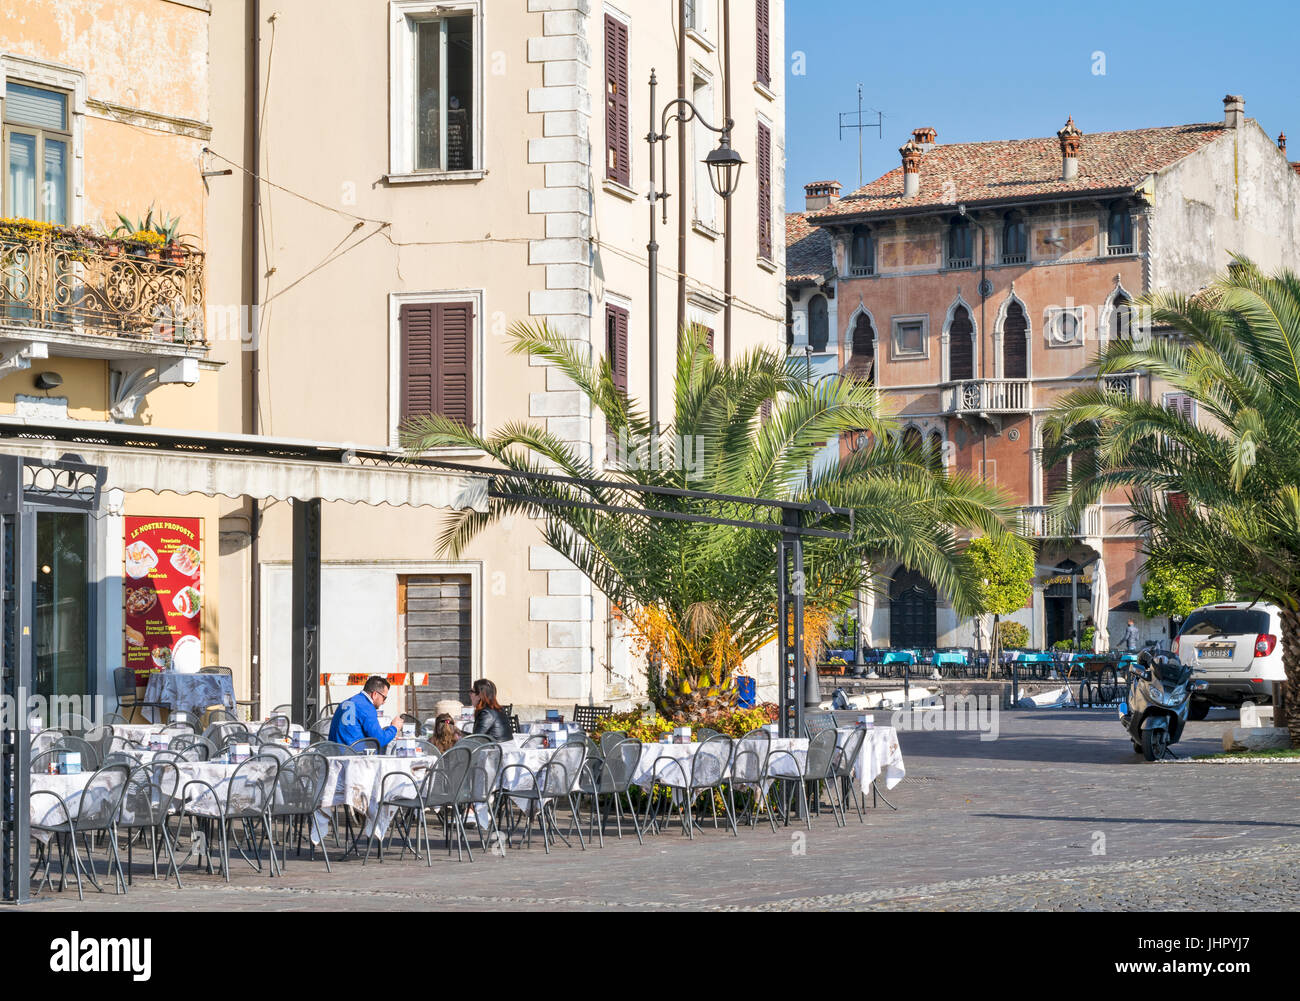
(62, 612)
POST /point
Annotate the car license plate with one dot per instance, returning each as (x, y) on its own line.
(1214, 653)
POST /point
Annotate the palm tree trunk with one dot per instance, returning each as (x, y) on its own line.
(1291, 662)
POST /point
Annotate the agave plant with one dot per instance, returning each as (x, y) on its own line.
(701, 598)
(162, 230)
(1223, 492)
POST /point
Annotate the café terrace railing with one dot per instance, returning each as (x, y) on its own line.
(68, 279)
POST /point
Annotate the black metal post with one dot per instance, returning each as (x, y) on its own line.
(15, 754)
(306, 610)
(652, 253)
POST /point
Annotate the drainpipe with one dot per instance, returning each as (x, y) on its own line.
(681, 177)
(254, 266)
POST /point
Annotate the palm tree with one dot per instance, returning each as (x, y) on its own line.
(1225, 492)
(702, 597)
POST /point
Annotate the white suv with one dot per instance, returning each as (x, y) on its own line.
(1235, 651)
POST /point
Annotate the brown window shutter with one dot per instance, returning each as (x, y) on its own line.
(616, 320)
(764, 191)
(1015, 347)
(456, 353)
(961, 346)
(418, 371)
(708, 338)
(762, 44)
(618, 143)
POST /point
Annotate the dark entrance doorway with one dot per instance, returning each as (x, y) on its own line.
(1058, 602)
(912, 601)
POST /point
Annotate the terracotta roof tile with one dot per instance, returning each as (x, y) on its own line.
(807, 249)
(1013, 169)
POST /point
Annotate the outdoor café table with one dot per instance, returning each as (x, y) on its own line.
(189, 692)
(356, 781)
(538, 726)
(878, 755)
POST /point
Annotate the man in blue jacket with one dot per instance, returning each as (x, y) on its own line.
(358, 716)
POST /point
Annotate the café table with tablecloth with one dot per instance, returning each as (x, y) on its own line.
(188, 692)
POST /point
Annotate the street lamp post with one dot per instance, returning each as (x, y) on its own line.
(724, 165)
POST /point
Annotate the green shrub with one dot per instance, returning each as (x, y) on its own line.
(1013, 635)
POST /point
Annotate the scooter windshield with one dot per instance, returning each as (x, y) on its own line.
(1173, 674)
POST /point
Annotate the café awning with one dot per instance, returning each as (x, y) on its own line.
(143, 459)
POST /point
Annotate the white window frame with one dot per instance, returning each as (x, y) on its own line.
(701, 189)
(396, 300)
(401, 100)
(895, 330)
(51, 76)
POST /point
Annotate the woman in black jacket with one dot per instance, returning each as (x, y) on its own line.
(489, 717)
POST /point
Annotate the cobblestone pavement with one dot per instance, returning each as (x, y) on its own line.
(1056, 814)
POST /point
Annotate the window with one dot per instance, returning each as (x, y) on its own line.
(705, 200)
(762, 44)
(1015, 343)
(1181, 404)
(961, 243)
(1121, 319)
(618, 144)
(863, 360)
(819, 325)
(437, 356)
(862, 253)
(1015, 239)
(961, 346)
(616, 320)
(1066, 327)
(910, 339)
(764, 168)
(1119, 231)
(436, 98)
(37, 153)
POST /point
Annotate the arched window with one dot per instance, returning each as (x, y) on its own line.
(819, 323)
(961, 243)
(862, 253)
(912, 440)
(1119, 231)
(1015, 239)
(789, 325)
(1015, 343)
(1121, 318)
(862, 362)
(961, 346)
(934, 450)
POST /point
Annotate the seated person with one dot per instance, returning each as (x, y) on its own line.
(445, 732)
(358, 716)
(489, 717)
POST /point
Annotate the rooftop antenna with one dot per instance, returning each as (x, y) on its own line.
(859, 125)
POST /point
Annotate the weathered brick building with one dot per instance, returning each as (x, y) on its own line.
(975, 284)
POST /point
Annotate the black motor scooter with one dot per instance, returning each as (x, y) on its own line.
(1154, 710)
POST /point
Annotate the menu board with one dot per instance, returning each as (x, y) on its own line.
(163, 595)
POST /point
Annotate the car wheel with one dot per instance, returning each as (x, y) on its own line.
(1198, 710)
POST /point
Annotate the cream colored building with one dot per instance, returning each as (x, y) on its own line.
(457, 167)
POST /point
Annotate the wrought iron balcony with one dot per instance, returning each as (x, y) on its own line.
(68, 280)
(1040, 522)
(985, 397)
(1121, 386)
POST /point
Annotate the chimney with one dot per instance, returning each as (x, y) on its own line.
(924, 138)
(1071, 138)
(819, 194)
(1234, 111)
(1281, 142)
(911, 152)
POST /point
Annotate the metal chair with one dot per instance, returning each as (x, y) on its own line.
(222, 734)
(588, 716)
(709, 767)
(437, 790)
(814, 723)
(299, 785)
(422, 747)
(481, 784)
(703, 733)
(101, 739)
(249, 797)
(816, 769)
(89, 755)
(609, 738)
(204, 748)
(247, 704)
(556, 779)
(330, 748)
(97, 808)
(366, 744)
(474, 740)
(275, 728)
(111, 719)
(749, 771)
(184, 751)
(127, 696)
(277, 751)
(613, 779)
(320, 730)
(532, 740)
(843, 762)
(146, 805)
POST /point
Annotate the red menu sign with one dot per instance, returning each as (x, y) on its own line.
(163, 595)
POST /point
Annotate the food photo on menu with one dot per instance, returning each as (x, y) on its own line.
(163, 595)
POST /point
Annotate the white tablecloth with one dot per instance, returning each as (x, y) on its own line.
(189, 692)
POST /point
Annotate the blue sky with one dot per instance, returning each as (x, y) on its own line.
(1017, 69)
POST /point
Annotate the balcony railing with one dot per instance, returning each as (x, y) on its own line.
(988, 396)
(959, 263)
(1122, 387)
(57, 278)
(1014, 258)
(1117, 249)
(1042, 523)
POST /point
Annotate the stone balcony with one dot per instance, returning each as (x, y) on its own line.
(65, 292)
(987, 399)
(1040, 522)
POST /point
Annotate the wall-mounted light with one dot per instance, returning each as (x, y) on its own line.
(49, 380)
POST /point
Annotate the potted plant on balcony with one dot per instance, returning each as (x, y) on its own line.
(153, 238)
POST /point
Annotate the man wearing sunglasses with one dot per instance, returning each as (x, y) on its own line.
(358, 716)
